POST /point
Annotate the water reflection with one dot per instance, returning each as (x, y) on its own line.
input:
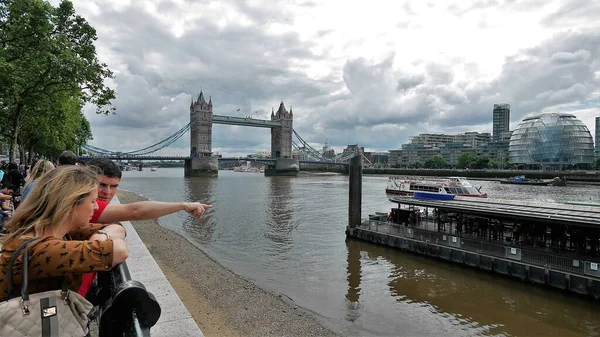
(474, 299)
(201, 190)
(280, 214)
(353, 277)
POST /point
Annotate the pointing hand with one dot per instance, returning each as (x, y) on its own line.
(196, 209)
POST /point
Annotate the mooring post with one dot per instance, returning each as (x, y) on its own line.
(355, 192)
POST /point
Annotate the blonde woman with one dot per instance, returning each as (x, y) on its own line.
(41, 167)
(58, 214)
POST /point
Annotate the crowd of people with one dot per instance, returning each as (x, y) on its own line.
(73, 228)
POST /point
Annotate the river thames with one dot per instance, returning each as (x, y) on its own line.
(286, 234)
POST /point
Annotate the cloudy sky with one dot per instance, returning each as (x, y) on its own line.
(367, 72)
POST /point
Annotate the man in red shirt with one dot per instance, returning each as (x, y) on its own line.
(114, 213)
(143, 210)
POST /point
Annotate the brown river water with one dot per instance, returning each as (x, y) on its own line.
(286, 234)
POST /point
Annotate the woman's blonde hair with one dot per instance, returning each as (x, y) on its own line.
(38, 170)
(51, 202)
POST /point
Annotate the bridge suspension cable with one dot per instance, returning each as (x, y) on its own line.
(147, 150)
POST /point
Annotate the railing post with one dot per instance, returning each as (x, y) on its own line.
(127, 308)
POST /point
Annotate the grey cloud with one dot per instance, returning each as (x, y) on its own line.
(567, 57)
(439, 73)
(375, 99)
(241, 68)
(372, 103)
(508, 5)
(573, 12)
(558, 71)
(450, 95)
(542, 72)
(409, 81)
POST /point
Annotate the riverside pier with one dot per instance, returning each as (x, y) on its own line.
(542, 243)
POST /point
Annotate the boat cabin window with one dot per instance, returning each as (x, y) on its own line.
(421, 188)
(457, 190)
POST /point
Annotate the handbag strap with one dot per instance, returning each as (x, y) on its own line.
(24, 287)
(13, 258)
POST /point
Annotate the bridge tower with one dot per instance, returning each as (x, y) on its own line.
(201, 163)
(281, 143)
(281, 137)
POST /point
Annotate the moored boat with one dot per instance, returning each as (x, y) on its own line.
(407, 186)
(521, 180)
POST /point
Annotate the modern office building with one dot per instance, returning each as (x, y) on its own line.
(501, 121)
(450, 147)
(551, 141)
(377, 157)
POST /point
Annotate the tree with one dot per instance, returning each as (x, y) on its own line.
(481, 163)
(465, 160)
(40, 133)
(494, 164)
(435, 162)
(45, 52)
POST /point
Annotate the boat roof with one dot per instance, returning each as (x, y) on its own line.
(426, 177)
(568, 214)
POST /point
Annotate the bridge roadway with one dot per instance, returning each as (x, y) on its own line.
(248, 121)
(267, 161)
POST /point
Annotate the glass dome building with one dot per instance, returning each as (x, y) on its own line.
(551, 141)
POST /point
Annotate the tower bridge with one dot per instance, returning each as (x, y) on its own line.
(202, 162)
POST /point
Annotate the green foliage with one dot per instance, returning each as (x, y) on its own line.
(48, 70)
(465, 160)
(416, 165)
(435, 162)
(42, 132)
(469, 160)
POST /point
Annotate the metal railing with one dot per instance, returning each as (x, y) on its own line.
(571, 264)
(126, 307)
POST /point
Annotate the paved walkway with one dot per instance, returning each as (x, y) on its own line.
(174, 320)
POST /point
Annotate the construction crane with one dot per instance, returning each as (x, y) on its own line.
(252, 115)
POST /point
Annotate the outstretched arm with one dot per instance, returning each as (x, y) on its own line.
(145, 210)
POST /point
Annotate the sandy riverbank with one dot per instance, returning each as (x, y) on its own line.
(221, 302)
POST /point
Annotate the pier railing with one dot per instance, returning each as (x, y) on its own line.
(127, 308)
(581, 265)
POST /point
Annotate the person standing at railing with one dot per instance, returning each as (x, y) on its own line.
(109, 175)
(57, 216)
